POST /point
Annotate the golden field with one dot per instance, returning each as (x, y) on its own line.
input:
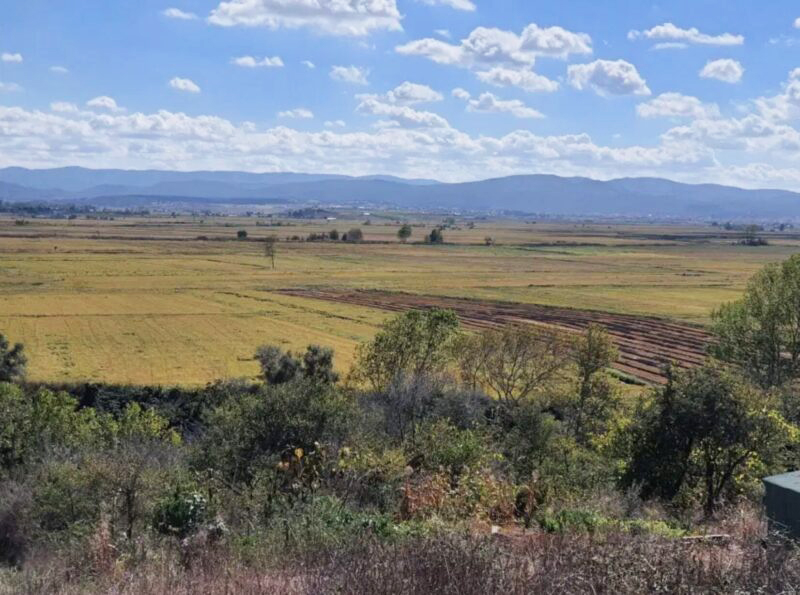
(144, 301)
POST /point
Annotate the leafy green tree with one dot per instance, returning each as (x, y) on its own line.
(414, 343)
(761, 331)
(354, 235)
(436, 236)
(596, 398)
(404, 233)
(333, 234)
(701, 432)
(12, 361)
(256, 431)
(241, 234)
(277, 366)
(280, 367)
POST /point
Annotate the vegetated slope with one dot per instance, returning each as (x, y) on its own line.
(545, 194)
(645, 344)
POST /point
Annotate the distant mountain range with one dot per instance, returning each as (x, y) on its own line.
(544, 194)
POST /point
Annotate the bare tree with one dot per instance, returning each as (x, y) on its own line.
(514, 362)
(269, 248)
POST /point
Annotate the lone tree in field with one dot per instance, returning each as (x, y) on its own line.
(241, 234)
(12, 361)
(435, 237)
(354, 235)
(269, 248)
(404, 233)
(414, 343)
(761, 331)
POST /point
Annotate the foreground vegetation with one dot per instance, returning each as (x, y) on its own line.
(442, 462)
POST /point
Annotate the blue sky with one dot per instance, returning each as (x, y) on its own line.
(700, 90)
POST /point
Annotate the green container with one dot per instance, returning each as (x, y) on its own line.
(782, 502)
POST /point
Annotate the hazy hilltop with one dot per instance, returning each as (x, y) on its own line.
(537, 193)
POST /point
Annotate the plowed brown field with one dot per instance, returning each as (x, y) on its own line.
(645, 344)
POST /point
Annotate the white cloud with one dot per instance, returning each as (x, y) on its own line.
(177, 13)
(335, 17)
(410, 93)
(299, 113)
(503, 58)
(252, 62)
(59, 70)
(467, 5)
(725, 70)
(524, 79)
(104, 102)
(9, 87)
(335, 124)
(606, 77)
(797, 23)
(671, 32)
(12, 58)
(64, 107)
(670, 45)
(490, 103)
(181, 84)
(308, 64)
(556, 42)
(350, 74)
(676, 105)
(445, 33)
(401, 115)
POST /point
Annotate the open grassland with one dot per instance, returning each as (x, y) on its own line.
(143, 300)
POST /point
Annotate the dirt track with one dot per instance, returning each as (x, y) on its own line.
(645, 344)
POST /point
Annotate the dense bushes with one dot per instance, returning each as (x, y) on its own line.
(383, 481)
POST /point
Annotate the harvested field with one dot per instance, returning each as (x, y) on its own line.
(645, 343)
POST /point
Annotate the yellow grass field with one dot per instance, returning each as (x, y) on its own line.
(143, 301)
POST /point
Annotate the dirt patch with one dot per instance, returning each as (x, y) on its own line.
(645, 344)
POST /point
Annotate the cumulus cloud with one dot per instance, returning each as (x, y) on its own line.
(671, 32)
(670, 45)
(467, 5)
(335, 124)
(797, 23)
(335, 17)
(308, 64)
(416, 146)
(556, 42)
(677, 105)
(186, 85)
(445, 33)
(400, 115)
(177, 13)
(524, 79)
(104, 102)
(490, 103)
(408, 94)
(252, 62)
(725, 70)
(59, 70)
(9, 87)
(10, 58)
(606, 77)
(299, 113)
(504, 58)
(350, 74)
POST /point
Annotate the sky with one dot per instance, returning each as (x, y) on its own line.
(455, 90)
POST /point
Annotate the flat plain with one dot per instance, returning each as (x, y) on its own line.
(179, 300)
